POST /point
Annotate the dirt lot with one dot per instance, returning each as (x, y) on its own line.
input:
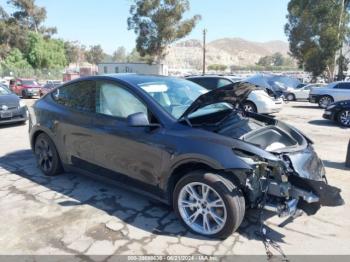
(72, 214)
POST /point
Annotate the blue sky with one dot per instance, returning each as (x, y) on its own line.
(104, 21)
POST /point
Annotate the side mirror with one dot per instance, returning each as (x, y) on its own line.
(138, 120)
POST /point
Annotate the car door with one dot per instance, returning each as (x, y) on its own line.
(121, 151)
(341, 91)
(303, 92)
(73, 121)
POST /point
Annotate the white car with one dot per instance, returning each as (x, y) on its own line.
(258, 101)
(300, 93)
(333, 92)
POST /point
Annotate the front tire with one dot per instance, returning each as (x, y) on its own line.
(209, 204)
(344, 117)
(47, 157)
(325, 101)
(290, 97)
(250, 107)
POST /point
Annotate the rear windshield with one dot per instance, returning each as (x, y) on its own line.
(29, 82)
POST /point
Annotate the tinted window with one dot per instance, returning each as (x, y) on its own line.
(114, 100)
(223, 82)
(343, 86)
(207, 82)
(29, 82)
(80, 96)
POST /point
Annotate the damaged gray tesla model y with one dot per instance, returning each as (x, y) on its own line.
(193, 149)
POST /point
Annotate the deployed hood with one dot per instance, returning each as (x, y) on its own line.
(233, 94)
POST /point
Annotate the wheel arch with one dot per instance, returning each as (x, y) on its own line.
(236, 176)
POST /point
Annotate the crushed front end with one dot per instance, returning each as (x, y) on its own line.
(289, 182)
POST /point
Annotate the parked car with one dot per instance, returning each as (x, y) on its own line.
(334, 92)
(4, 82)
(48, 87)
(181, 144)
(301, 92)
(258, 101)
(339, 112)
(12, 108)
(26, 88)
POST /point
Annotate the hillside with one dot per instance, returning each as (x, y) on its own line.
(227, 51)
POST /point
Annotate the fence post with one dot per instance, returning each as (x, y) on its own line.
(347, 161)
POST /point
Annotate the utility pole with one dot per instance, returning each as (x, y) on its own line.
(204, 49)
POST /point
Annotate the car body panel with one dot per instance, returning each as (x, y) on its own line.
(262, 101)
(19, 87)
(148, 157)
(331, 90)
(10, 109)
(332, 112)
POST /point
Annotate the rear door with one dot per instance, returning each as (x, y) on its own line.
(73, 124)
(341, 91)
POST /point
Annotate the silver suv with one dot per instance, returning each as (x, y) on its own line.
(333, 92)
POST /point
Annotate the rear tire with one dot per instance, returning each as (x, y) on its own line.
(47, 157)
(325, 101)
(208, 204)
(344, 117)
(24, 95)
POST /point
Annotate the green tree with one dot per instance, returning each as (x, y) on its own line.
(266, 61)
(31, 16)
(45, 53)
(159, 23)
(343, 64)
(278, 59)
(15, 59)
(95, 54)
(316, 30)
(135, 57)
(120, 54)
(72, 52)
(217, 67)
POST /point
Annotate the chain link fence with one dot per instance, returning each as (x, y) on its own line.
(39, 74)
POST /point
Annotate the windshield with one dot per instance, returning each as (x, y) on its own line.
(4, 91)
(29, 83)
(176, 95)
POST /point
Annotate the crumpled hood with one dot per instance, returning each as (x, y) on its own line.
(233, 94)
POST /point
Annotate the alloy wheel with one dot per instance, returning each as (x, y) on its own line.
(345, 118)
(325, 101)
(249, 108)
(290, 97)
(202, 208)
(44, 155)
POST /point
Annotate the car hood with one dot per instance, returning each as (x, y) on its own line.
(10, 100)
(345, 103)
(233, 94)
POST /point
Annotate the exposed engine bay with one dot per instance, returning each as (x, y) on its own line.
(286, 174)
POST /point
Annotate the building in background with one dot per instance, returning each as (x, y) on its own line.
(138, 68)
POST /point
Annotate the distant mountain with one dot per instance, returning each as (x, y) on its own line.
(227, 51)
